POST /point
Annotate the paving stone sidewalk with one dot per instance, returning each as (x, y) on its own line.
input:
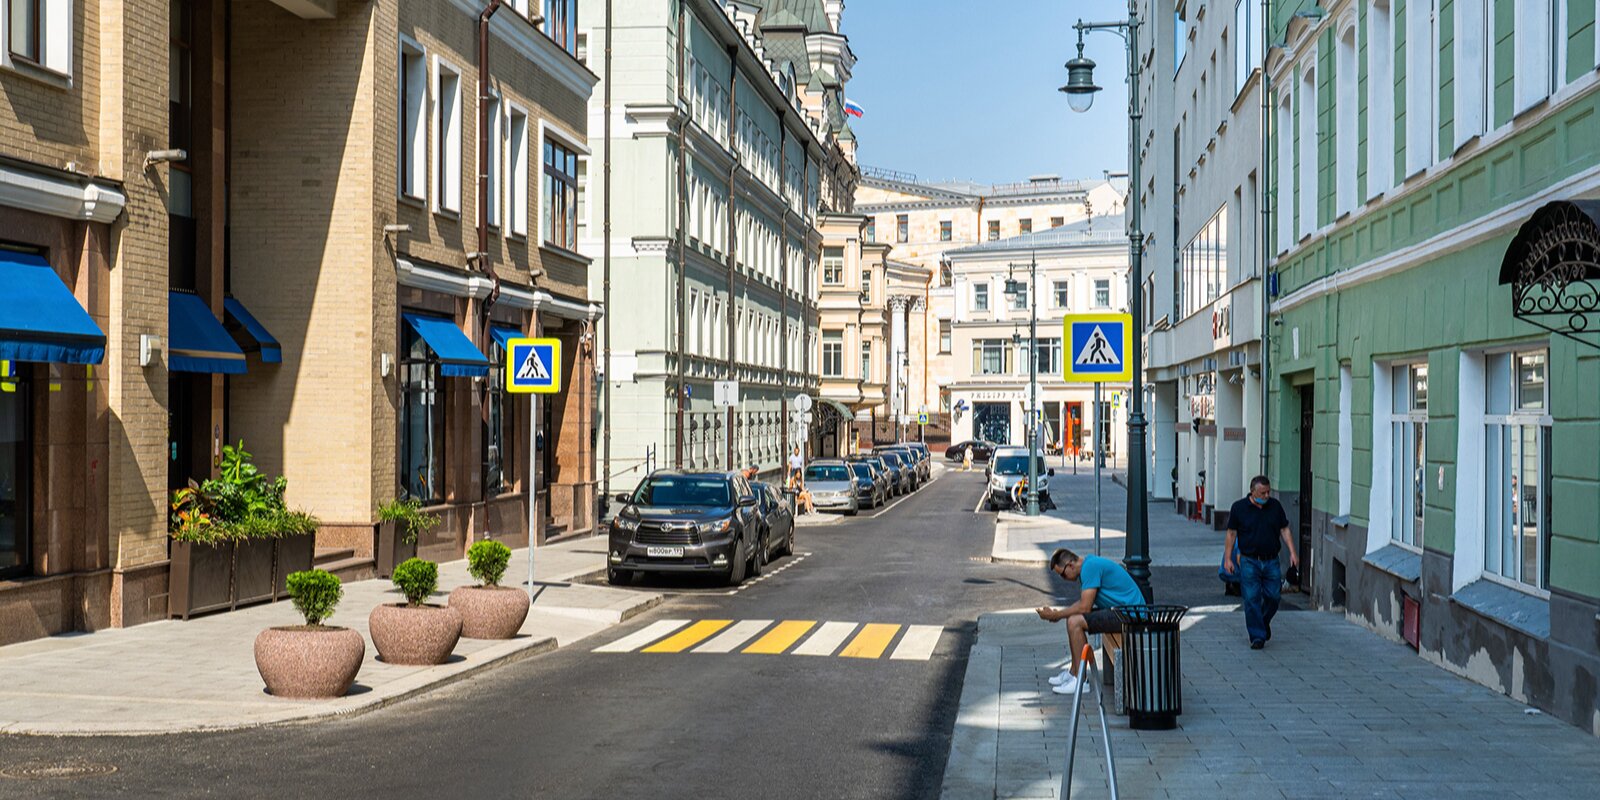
(1174, 541)
(200, 674)
(1327, 710)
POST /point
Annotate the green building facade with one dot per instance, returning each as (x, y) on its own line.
(1434, 339)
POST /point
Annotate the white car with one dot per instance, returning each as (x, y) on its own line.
(1007, 468)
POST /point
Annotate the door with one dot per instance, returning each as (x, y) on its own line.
(991, 422)
(1307, 482)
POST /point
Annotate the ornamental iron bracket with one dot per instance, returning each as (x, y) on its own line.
(1553, 268)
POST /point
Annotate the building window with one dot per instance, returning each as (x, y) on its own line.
(980, 297)
(994, 230)
(1058, 294)
(1422, 88)
(561, 23)
(944, 336)
(1205, 263)
(1344, 116)
(39, 32)
(902, 225)
(517, 174)
(945, 231)
(1306, 160)
(1024, 226)
(1408, 429)
(833, 266)
(447, 139)
(1537, 51)
(866, 359)
(25, 25)
(872, 229)
(413, 129)
(1056, 222)
(16, 447)
(1380, 98)
(1049, 357)
(991, 357)
(866, 286)
(560, 196)
(1019, 298)
(833, 354)
(496, 143)
(1517, 468)
(499, 434)
(1102, 293)
(422, 445)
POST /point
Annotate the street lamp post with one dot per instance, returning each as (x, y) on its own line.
(1030, 423)
(1080, 91)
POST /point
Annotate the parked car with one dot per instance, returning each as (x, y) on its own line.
(1008, 468)
(893, 476)
(927, 455)
(874, 491)
(679, 521)
(833, 486)
(776, 517)
(907, 474)
(981, 451)
(914, 456)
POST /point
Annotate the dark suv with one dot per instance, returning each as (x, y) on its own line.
(705, 522)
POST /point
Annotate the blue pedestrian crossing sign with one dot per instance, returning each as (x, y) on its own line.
(1099, 346)
(922, 418)
(533, 366)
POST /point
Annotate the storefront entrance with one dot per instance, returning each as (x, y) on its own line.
(991, 422)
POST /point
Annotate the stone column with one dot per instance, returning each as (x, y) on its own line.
(897, 349)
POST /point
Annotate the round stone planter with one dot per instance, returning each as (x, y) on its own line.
(490, 612)
(414, 635)
(309, 662)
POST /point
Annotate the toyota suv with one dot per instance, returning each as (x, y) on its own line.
(702, 522)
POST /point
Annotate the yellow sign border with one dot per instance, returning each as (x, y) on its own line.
(555, 368)
(1067, 356)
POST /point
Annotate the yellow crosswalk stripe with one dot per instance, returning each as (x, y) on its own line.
(781, 637)
(688, 637)
(873, 639)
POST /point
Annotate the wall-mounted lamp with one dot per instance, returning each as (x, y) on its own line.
(149, 347)
(385, 364)
(1235, 378)
(162, 156)
(396, 230)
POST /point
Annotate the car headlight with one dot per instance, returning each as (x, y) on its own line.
(717, 526)
(625, 524)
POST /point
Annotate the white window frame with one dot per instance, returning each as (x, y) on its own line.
(1536, 45)
(980, 291)
(1474, 96)
(446, 125)
(1103, 284)
(517, 172)
(1516, 418)
(548, 132)
(497, 142)
(56, 19)
(1345, 108)
(1060, 294)
(1380, 98)
(1422, 96)
(1386, 525)
(1285, 171)
(830, 264)
(1306, 156)
(1346, 464)
(415, 122)
(832, 337)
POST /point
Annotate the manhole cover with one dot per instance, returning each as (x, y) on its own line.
(46, 772)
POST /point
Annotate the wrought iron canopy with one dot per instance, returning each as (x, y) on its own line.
(1553, 268)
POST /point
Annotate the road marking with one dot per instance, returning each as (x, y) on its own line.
(918, 643)
(826, 640)
(730, 639)
(689, 637)
(779, 638)
(873, 639)
(643, 636)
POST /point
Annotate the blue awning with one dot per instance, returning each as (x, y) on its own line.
(196, 341)
(458, 356)
(271, 352)
(505, 333)
(40, 320)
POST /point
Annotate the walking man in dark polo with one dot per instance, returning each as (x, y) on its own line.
(1259, 525)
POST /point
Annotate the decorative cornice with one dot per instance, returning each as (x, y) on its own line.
(443, 280)
(59, 194)
(538, 48)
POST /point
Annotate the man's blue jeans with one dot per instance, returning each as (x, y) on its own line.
(1261, 582)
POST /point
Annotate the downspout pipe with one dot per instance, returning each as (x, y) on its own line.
(1267, 210)
(605, 261)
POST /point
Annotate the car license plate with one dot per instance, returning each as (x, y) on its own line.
(664, 552)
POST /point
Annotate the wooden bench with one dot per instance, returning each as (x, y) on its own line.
(1111, 646)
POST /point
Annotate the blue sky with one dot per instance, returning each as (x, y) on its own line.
(967, 88)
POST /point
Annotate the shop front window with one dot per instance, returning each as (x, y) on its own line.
(499, 435)
(15, 446)
(1517, 469)
(422, 422)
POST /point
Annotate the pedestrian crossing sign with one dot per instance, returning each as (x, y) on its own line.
(922, 418)
(1099, 348)
(533, 366)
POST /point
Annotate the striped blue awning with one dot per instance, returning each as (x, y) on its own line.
(271, 351)
(458, 356)
(40, 320)
(196, 341)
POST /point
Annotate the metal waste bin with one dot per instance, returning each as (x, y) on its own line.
(1152, 671)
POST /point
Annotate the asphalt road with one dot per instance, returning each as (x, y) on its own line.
(582, 724)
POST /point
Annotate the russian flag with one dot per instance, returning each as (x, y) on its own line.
(853, 108)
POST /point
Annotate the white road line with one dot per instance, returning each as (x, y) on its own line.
(918, 643)
(826, 640)
(640, 638)
(732, 638)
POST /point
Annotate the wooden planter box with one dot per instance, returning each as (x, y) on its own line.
(209, 577)
(294, 554)
(252, 571)
(391, 550)
(201, 578)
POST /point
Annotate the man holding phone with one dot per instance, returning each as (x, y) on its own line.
(1104, 585)
(1260, 526)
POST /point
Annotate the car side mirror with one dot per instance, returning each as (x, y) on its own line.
(624, 498)
(748, 501)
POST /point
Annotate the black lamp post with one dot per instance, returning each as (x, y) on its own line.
(1028, 291)
(1080, 91)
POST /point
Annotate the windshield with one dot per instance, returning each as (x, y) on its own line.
(862, 470)
(828, 472)
(892, 459)
(1016, 465)
(684, 490)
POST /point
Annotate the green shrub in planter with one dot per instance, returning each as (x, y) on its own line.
(315, 592)
(487, 561)
(408, 515)
(416, 579)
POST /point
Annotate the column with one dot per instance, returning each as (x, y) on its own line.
(897, 350)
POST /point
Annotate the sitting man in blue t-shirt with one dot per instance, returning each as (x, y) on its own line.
(1105, 586)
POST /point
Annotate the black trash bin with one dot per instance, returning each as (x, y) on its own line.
(1152, 672)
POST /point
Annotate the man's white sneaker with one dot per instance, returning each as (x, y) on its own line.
(1068, 686)
(1055, 680)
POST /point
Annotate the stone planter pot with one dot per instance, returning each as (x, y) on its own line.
(309, 662)
(391, 549)
(490, 612)
(414, 635)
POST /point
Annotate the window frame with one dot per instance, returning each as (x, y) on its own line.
(493, 202)
(446, 127)
(829, 263)
(500, 429)
(414, 123)
(946, 336)
(832, 354)
(565, 14)
(1408, 531)
(52, 42)
(572, 196)
(1060, 294)
(902, 228)
(980, 297)
(14, 383)
(516, 205)
(436, 445)
(1102, 285)
(946, 230)
(1507, 423)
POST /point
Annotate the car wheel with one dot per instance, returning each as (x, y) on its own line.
(758, 559)
(736, 572)
(618, 577)
(787, 548)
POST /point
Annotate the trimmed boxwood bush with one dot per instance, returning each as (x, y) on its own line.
(315, 592)
(409, 516)
(487, 561)
(416, 579)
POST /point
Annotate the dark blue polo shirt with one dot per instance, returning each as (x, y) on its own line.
(1258, 527)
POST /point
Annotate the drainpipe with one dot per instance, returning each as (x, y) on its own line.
(481, 256)
(733, 243)
(683, 265)
(783, 287)
(605, 260)
(1266, 238)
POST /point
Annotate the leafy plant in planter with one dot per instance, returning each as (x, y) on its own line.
(311, 660)
(415, 632)
(489, 610)
(400, 524)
